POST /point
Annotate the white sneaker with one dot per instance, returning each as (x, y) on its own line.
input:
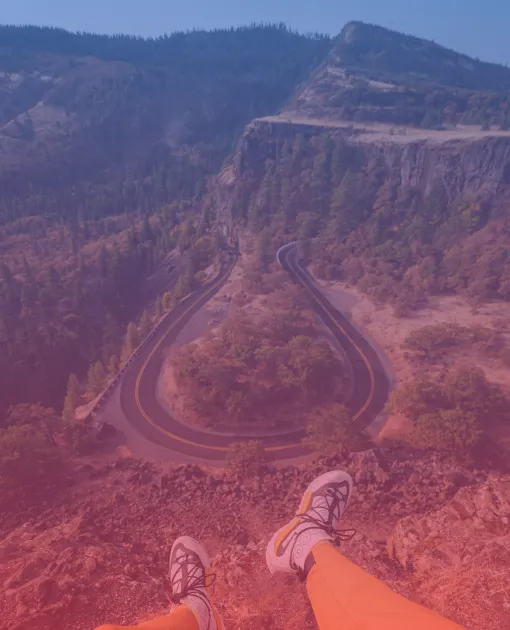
(316, 520)
(190, 579)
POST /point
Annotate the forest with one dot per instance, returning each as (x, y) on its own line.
(97, 194)
(265, 366)
(454, 415)
(355, 222)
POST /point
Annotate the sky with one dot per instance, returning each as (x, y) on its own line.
(475, 27)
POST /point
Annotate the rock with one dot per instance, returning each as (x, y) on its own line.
(414, 478)
(44, 590)
(362, 477)
(473, 520)
(367, 467)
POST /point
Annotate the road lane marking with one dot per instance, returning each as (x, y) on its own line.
(356, 346)
(273, 449)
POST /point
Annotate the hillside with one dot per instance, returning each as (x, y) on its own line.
(126, 166)
(401, 218)
(76, 108)
(97, 550)
(374, 74)
(105, 147)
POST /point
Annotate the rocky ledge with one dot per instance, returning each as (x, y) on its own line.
(99, 552)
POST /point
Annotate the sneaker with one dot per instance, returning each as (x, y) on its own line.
(190, 579)
(316, 520)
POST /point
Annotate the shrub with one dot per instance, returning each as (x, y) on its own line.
(451, 416)
(433, 341)
(80, 438)
(417, 398)
(467, 388)
(27, 458)
(330, 431)
(453, 431)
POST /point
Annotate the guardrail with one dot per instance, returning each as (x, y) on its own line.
(105, 396)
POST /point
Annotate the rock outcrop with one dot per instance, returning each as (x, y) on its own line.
(474, 166)
(461, 553)
(100, 552)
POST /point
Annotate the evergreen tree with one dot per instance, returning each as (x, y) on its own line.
(96, 380)
(131, 342)
(113, 366)
(72, 399)
(166, 302)
(158, 310)
(145, 325)
(320, 184)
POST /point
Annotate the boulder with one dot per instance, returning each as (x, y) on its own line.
(473, 524)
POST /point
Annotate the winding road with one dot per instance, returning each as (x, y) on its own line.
(140, 403)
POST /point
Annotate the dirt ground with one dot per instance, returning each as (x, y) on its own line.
(391, 133)
(389, 332)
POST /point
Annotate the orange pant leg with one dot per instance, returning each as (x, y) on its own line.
(345, 597)
(181, 618)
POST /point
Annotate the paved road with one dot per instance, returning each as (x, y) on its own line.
(143, 410)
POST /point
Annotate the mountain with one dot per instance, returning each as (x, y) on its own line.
(379, 200)
(78, 108)
(123, 165)
(375, 74)
(105, 147)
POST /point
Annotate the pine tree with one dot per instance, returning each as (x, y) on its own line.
(131, 343)
(147, 233)
(145, 325)
(72, 399)
(158, 310)
(113, 366)
(166, 302)
(320, 183)
(96, 380)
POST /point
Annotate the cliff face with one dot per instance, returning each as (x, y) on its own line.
(475, 166)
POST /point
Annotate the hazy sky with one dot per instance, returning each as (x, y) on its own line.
(477, 27)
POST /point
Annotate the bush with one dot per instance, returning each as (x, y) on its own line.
(453, 431)
(79, 438)
(417, 398)
(330, 431)
(433, 341)
(451, 416)
(27, 458)
(246, 458)
(468, 389)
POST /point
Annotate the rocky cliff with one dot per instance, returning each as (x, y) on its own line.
(98, 552)
(463, 164)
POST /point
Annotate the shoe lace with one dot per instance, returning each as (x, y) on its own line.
(315, 519)
(198, 581)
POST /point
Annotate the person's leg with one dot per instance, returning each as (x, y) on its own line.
(190, 579)
(343, 596)
(181, 618)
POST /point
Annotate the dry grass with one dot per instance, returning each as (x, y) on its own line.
(380, 132)
(468, 594)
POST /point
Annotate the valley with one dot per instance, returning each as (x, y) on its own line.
(233, 260)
